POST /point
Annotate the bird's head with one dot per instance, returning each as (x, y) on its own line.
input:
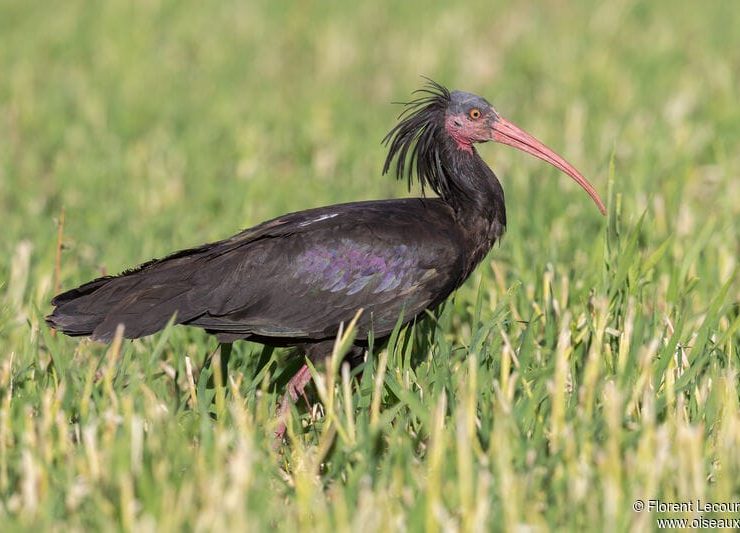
(465, 118)
(469, 119)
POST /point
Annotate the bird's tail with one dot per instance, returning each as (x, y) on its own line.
(143, 300)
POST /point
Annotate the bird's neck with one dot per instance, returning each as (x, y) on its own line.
(475, 194)
(473, 190)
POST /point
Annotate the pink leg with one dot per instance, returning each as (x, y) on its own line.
(294, 389)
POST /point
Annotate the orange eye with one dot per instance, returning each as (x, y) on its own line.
(474, 113)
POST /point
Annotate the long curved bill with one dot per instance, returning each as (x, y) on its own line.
(505, 132)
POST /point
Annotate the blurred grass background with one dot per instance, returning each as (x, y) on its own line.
(589, 362)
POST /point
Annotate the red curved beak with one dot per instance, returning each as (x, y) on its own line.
(505, 132)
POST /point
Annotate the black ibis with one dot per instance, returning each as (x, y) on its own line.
(293, 280)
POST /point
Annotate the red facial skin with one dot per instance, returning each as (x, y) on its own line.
(466, 130)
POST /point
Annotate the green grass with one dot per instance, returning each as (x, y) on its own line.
(587, 363)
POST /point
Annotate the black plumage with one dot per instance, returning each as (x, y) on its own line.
(293, 280)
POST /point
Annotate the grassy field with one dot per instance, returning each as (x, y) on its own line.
(588, 363)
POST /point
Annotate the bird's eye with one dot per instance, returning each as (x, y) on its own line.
(474, 113)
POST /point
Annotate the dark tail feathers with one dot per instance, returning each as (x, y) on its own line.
(143, 300)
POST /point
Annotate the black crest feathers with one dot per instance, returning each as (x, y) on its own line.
(413, 142)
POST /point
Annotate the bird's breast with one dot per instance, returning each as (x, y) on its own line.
(481, 235)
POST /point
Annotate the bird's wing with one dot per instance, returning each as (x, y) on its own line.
(295, 277)
(302, 281)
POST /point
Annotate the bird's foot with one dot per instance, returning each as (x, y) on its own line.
(294, 389)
